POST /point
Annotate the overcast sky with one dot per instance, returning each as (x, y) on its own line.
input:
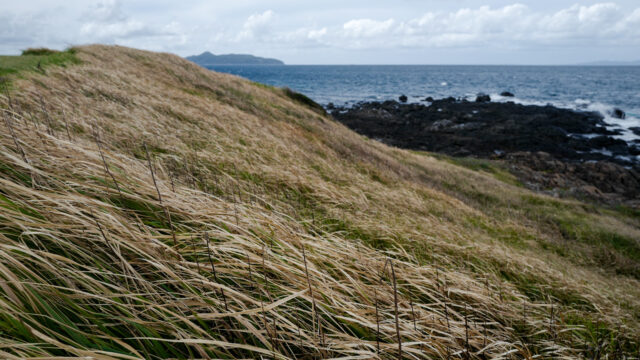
(338, 31)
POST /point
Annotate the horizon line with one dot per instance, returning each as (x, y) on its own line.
(631, 64)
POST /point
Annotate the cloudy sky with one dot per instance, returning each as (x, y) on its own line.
(339, 31)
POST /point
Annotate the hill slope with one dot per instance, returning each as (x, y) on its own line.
(154, 209)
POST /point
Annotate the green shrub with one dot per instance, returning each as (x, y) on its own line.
(39, 52)
(303, 99)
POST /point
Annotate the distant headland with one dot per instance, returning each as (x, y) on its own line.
(207, 59)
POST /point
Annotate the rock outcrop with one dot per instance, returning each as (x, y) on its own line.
(549, 147)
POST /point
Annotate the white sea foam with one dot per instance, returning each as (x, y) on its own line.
(602, 151)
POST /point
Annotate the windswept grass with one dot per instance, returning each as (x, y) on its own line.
(481, 165)
(35, 60)
(153, 209)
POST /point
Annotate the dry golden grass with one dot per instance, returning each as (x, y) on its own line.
(279, 233)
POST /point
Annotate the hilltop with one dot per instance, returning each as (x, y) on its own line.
(154, 209)
(208, 59)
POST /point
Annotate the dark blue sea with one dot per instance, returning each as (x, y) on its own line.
(597, 88)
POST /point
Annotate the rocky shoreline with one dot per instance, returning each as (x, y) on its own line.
(549, 149)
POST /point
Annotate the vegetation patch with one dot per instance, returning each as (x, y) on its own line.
(574, 227)
(628, 211)
(506, 233)
(36, 60)
(497, 170)
(537, 289)
(304, 100)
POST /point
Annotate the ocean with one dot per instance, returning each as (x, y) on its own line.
(594, 88)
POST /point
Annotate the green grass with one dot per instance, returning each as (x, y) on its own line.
(36, 60)
(503, 232)
(579, 230)
(577, 224)
(628, 212)
(15, 175)
(539, 289)
(304, 100)
(481, 165)
(593, 337)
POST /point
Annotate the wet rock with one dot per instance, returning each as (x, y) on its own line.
(483, 127)
(403, 98)
(468, 126)
(441, 125)
(618, 114)
(506, 94)
(483, 98)
(428, 98)
(635, 130)
(611, 145)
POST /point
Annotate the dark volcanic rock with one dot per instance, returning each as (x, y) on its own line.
(636, 130)
(482, 98)
(547, 146)
(506, 94)
(403, 98)
(599, 179)
(607, 143)
(448, 125)
(618, 114)
(428, 98)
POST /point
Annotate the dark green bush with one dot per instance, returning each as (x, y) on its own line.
(303, 99)
(39, 51)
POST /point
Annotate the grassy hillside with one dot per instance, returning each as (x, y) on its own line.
(154, 209)
(35, 60)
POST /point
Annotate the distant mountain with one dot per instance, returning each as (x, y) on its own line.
(613, 63)
(207, 59)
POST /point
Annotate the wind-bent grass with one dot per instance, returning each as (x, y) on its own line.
(36, 60)
(273, 231)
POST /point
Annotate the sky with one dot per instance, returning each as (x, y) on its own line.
(338, 31)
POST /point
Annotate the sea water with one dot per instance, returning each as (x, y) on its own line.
(591, 88)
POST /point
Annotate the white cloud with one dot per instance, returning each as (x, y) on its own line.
(257, 26)
(108, 23)
(363, 28)
(304, 30)
(108, 11)
(317, 34)
(579, 21)
(630, 24)
(510, 26)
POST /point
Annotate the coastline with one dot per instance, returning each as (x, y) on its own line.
(558, 151)
(581, 88)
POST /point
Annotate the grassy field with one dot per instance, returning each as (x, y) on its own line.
(153, 209)
(35, 60)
